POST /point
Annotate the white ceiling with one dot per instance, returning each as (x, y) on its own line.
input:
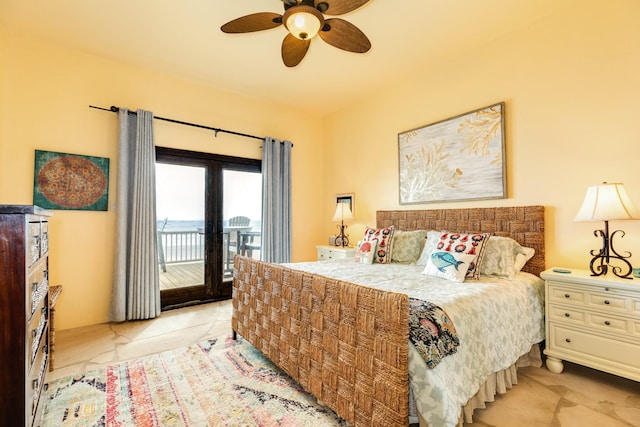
(183, 38)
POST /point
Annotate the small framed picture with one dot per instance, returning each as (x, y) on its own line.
(348, 199)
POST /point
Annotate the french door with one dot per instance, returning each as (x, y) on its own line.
(208, 209)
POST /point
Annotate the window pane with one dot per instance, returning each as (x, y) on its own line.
(242, 216)
(180, 197)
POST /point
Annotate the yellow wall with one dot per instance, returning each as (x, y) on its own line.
(45, 94)
(571, 83)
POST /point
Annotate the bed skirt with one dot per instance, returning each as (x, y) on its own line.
(498, 382)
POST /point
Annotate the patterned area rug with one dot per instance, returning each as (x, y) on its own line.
(212, 383)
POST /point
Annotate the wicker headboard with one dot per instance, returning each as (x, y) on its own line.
(524, 224)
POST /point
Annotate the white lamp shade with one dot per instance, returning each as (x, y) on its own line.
(605, 202)
(342, 212)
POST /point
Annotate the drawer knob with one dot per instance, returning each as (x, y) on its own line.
(606, 322)
(567, 296)
(567, 315)
(606, 289)
(34, 332)
(606, 302)
(34, 384)
(568, 340)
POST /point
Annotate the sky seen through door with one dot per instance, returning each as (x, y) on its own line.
(180, 193)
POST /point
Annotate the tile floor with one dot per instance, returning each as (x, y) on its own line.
(579, 397)
(91, 347)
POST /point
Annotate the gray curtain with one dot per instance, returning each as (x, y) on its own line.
(136, 289)
(276, 200)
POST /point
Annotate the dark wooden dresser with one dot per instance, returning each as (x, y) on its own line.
(24, 313)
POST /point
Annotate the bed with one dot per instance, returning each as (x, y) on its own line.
(348, 343)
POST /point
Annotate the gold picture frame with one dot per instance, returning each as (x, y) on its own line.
(457, 159)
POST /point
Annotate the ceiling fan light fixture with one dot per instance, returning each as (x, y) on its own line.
(303, 22)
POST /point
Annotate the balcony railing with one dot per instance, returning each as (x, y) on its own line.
(180, 246)
(188, 246)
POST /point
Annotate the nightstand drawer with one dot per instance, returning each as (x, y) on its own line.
(587, 345)
(607, 302)
(601, 299)
(608, 323)
(565, 295)
(326, 252)
(568, 315)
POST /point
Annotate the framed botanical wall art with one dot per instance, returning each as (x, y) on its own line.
(70, 181)
(460, 158)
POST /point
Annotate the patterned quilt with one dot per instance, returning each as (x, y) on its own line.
(431, 331)
(496, 319)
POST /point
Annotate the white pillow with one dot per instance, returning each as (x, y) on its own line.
(365, 252)
(523, 257)
(433, 237)
(452, 266)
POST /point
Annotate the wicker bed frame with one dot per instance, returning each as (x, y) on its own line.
(348, 344)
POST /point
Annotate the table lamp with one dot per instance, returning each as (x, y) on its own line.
(608, 202)
(343, 212)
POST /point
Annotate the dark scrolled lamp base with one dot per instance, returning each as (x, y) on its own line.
(601, 262)
(342, 239)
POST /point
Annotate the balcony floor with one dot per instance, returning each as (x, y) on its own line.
(182, 274)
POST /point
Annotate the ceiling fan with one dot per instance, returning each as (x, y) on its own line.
(304, 19)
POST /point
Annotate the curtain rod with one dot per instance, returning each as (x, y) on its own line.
(215, 130)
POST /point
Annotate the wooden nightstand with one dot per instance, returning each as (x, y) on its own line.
(592, 321)
(326, 252)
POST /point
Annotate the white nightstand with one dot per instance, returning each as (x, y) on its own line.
(593, 321)
(327, 252)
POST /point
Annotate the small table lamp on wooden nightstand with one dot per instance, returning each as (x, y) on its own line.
(342, 212)
(606, 202)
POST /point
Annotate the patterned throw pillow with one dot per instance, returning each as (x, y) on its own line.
(365, 252)
(469, 244)
(407, 245)
(384, 240)
(500, 257)
(452, 266)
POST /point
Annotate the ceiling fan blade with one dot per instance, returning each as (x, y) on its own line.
(254, 22)
(344, 35)
(293, 50)
(338, 7)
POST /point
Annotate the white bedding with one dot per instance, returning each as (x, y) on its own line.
(497, 321)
